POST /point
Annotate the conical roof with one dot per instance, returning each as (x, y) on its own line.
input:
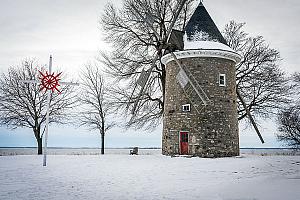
(201, 27)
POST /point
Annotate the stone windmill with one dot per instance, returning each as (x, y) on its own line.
(201, 97)
(200, 116)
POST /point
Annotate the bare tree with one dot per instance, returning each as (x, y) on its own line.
(289, 126)
(289, 118)
(260, 80)
(297, 80)
(136, 31)
(96, 109)
(24, 105)
(139, 33)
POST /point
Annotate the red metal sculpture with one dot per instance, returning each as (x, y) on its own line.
(49, 81)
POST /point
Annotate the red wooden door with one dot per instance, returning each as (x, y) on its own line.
(184, 144)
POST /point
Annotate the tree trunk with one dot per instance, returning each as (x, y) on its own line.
(40, 145)
(102, 143)
(39, 140)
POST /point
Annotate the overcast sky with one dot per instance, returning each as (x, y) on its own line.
(69, 30)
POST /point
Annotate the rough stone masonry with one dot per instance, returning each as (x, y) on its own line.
(213, 132)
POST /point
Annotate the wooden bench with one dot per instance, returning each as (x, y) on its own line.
(134, 151)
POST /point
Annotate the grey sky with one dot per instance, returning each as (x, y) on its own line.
(276, 20)
(69, 30)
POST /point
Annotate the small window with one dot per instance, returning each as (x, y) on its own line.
(186, 108)
(222, 80)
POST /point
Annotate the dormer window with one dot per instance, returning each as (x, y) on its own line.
(222, 80)
(186, 107)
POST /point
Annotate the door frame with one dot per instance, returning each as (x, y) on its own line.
(179, 137)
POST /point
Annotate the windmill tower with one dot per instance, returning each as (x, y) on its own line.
(201, 100)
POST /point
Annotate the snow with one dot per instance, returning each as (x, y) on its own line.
(200, 36)
(201, 41)
(152, 176)
(188, 45)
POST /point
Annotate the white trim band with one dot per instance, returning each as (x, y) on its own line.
(202, 53)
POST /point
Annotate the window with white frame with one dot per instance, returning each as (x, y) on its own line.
(186, 108)
(222, 80)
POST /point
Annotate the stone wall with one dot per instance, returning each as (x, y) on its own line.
(213, 132)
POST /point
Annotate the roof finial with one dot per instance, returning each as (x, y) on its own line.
(201, 3)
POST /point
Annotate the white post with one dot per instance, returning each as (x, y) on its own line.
(48, 107)
(47, 117)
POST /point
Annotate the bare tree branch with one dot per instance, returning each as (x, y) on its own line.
(289, 126)
(260, 80)
(139, 32)
(96, 108)
(24, 105)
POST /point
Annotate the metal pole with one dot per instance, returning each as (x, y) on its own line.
(47, 118)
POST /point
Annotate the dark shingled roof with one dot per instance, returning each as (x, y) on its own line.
(201, 22)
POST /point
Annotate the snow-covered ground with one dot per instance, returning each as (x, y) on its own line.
(147, 177)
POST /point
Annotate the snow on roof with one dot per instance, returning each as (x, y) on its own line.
(188, 45)
(201, 43)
